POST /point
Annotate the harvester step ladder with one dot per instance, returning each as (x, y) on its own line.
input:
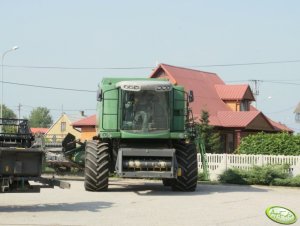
(5, 184)
(201, 147)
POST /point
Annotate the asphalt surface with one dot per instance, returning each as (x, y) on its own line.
(140, 202)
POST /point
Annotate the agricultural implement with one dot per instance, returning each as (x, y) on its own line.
(21, 159)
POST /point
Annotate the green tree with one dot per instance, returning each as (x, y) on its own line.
(208, 134)
(8, 113)
(40, 117)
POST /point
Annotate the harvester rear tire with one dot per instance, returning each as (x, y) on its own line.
(186, 155)
(96, 166)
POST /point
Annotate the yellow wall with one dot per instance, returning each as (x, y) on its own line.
(87, 133)
(56, 129)
(233, 105)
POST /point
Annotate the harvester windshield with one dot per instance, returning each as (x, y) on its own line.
(145, 110)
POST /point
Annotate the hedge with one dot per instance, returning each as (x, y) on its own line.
(270, 144)
(261, 175)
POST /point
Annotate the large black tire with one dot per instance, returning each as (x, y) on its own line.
(96, 166)
(186, 155)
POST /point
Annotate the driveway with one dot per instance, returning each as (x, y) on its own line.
(141, 202)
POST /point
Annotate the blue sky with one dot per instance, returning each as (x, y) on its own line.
(142, 33)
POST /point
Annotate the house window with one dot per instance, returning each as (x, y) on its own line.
(244, 105)
(297, 117)
(63, 126)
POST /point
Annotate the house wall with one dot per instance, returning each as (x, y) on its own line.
(231, 139)
(227, 140)
(60, 134)
(237, 105)
(234, 105)
(87, 133)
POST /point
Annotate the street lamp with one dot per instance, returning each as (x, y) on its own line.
(2, 60)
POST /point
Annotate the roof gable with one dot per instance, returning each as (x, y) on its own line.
(235, 92)
(252, 120)
(56, 127)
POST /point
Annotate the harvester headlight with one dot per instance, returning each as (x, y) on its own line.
(131, 87)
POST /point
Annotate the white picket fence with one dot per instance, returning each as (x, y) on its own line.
(218, 163)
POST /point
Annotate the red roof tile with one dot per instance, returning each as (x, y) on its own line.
(88, 121)
(203, 85)
(234, 92)
(39, 130)
(280, 127)
(236, 118)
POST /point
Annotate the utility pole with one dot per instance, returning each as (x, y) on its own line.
(19, 110)
(255, 89)
(297, 113)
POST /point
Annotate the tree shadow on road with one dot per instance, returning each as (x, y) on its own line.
(157, 189)
(81, 206)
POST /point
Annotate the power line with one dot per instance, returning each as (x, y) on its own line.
(56, 109)
(278, 80)
(77, 68)
(149, 67)
(249, 64)
(283, 110)
(49, 87)
(285, 83)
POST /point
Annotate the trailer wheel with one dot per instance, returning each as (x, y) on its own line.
(96, 166)
(186, 155)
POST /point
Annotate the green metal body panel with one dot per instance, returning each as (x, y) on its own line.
(110, 110)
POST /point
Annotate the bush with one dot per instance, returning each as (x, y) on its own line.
(233, 176)
(291, 181)
(266, 174)
(270, 144)
(262, 175)
(201, 177)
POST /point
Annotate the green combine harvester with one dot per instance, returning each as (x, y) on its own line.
(144, 130)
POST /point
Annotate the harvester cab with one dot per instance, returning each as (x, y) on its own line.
(143, 131)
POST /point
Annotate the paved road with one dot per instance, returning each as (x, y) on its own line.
(140, 202)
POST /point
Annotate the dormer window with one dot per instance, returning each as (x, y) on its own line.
(244, 106)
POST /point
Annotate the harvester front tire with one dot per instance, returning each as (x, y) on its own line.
(96, 166)
(186, 155)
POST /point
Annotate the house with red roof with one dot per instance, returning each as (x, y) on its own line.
(229, 106)
(87, 127)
